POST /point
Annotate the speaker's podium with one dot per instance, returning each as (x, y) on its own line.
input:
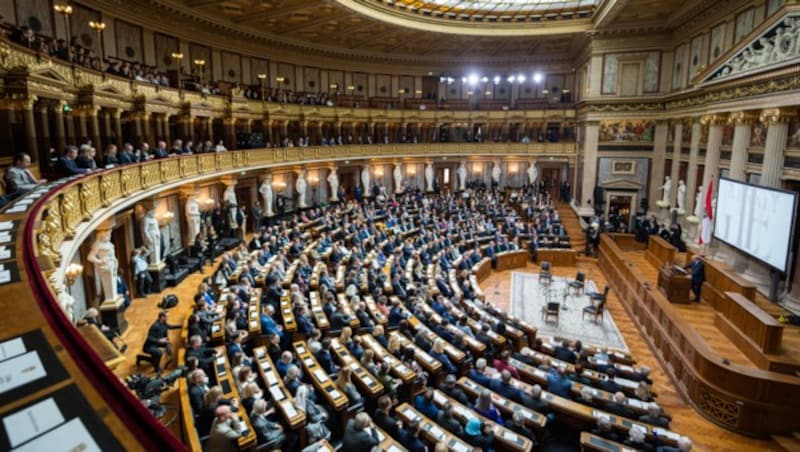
(675, 283)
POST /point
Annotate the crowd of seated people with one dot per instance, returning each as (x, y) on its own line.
(364, 292)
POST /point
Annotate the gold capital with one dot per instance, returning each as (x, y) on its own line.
(777, 115)
(718, 119)
(742, 118)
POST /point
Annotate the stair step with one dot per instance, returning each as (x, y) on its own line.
(788, 443)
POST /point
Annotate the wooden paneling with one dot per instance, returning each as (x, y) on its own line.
(660, 252)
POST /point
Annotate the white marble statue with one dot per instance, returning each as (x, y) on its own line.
(333, 180)
(65, 300)
(429, 177)
(301, 187)
(229, 198)
(533, 173)
(681, 195)
(365, 181)
(266, 192)
(667, 187)
(193, 218)
(698, 203)
(398, 177)
(103, 256)
(462, 175)
(496, 172)
(151, 231)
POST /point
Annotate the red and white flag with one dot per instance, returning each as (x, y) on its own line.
(705, 226)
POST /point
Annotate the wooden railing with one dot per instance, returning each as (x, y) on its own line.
(739, 398)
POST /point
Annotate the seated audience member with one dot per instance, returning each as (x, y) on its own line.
(450, 388)
(282, 365)
(558, 383)
(225, 431)
(642, 392)
(486, 408)
(479, 434)
(425, 405)
(316, 416)
(269, 434)
(478, 373)
(66, 163)
(605, 430)
(437, 352)
(384, 419)
(517, 425)
(324, 357)
(501, 364)
(637, 440)
(198, 387)
(409, 437)
(85, 158)
(359, 436)
(447, 420)
(563, 353)
(533, 400)
(618, 406)
(252, 392)
(18, 177)
(654, 416)
(293, 379)
(345, 385)
(608, 384)
(504, 388)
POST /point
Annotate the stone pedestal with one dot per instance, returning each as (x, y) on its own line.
(663, 215)
(112, 314)
(159, 274)
(691, 229)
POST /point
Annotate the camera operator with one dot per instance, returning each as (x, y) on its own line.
(158, 339)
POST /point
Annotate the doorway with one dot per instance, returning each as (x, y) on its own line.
(621, 203)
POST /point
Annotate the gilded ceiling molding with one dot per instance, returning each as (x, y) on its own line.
(716, 119)
(742, 118)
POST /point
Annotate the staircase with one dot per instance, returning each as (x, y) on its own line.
(572, 224)
(789, 442)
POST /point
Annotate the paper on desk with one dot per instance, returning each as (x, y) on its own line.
(12, 348)
(271, 379)
(6, 225)
(70, 436)
(321, 375)
(21, 370)
(289, 409)
(32, 421)
(276, 392)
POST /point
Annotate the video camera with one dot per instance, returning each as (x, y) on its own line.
(149, 389)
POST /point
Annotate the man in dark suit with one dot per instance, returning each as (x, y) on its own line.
(66, 163)
(158, 339)
(503, 387)
(609, 385)
(205, 356)
(383, 418)
(698, 271)
(618, 406)
(198, 387)
(324, 357)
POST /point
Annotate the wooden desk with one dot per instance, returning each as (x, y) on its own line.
(674, 284)
(455, 355)
(430, 430)
(101, 345)
(506, 439)
(511, 259)
(749, 325)
(397, 368)
(280, 394)
(322, 382)
(590, 442)
(225, 379)
(720, 278)
(317, 312)
(557, 256)
(374, 312)
(289, 324)
(367, 383)
(660, 252)
(427, 361)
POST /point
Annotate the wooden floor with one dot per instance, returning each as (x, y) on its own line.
(497, 287)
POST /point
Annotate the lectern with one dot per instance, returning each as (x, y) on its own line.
(675, 283)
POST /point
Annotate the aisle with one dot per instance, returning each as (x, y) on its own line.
(572, 224)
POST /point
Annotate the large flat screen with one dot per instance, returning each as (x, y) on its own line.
(757, 220)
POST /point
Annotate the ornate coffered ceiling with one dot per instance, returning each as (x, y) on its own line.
(422, 32)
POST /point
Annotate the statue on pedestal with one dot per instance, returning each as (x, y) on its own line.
(301, 186)
(681, 196)
(698, 203)
(152, 236)
(266, 192)
(229, 198)
(65, 300)
(398, 178)
(496, 172)
(429, 177)
(103, 256)
(365, 180)
(333, 180)
(667, 187)
(533, 173)
(462, 175)
(193, 218)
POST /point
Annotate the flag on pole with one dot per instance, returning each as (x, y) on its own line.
(708, 215)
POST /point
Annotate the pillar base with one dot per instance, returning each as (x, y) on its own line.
(112, 313)
(159, 275)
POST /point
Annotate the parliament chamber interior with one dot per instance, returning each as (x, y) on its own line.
(428, 225)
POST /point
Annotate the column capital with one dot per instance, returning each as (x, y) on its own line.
(58, 106)
(718, 119)
(777, 115)
(28, 102)
(742, 118)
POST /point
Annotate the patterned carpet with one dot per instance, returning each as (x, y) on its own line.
(528, 298)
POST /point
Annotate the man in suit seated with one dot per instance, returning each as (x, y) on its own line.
(383, 417)
(66, 163)
(205, 356)
(654, 416)
(504, 388)
(604, 430)
(324, 358)
(18, 177)
(609, 385)
(563, 353)
(478, 373)
(619, 407)
(450, 388)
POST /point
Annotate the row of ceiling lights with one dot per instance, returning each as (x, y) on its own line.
(474, 79)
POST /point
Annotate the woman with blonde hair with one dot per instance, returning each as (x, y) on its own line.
(345, 385)
(251, 393)
(394, 346)
(486, 408)
(438, 353)
(368, 361)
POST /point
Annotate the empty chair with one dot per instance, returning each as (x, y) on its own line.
(595, 311)
(579, 283)
(597, 296)
(544, 273)
(551, 310)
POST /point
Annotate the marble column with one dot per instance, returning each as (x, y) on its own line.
(691, 175)
(94, 130)
(70, 132)
(58, 120)
(30, 127)
(210, 129)
(108, 132)
(147, 129)
(591, 138)
(657, 171)
(743, 127)
(137, 128)
(267, 131)
(83, 128)
(711, 165)
(44, 130)
(118, 126)
(230, 132)
(674, 173)
(159, 128)
(777, 121)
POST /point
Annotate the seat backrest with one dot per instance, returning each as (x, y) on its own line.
(605, 292)
(553, 306)
(580, 277)
(545, 266)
